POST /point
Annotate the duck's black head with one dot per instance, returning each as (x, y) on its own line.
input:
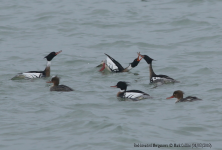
(135, 63)
(122, 85)
(148, 59)
(50, 56)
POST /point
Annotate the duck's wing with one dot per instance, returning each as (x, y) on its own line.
(114, 65)
(61, 88)
(163, 79)
(136, 95)
(191, 98)
(29, 75)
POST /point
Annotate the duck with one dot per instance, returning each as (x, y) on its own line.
(38, 74)
(134, 95)
(112, 65)
(179, 95)
(157, 78)
(57, 87)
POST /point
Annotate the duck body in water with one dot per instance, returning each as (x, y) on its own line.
(179, 95)
(57, 87)
(134, 95)
(112, 65)
(38, 74)
(157, 78)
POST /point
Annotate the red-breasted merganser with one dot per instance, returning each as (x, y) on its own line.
(131, 94)
(157, 78)
(38, 74)
(179, 95)
(57, 87)
(114, 66)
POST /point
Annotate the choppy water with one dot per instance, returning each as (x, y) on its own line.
(183, 36)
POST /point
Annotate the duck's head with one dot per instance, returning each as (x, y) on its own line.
(54, 80)
(147, 58)
(122, 85)
(51, 55)
(136, 61)
(177, 94)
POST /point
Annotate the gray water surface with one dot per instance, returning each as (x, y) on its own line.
(183, 36)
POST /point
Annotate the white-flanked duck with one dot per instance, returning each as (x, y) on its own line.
(179, 95)
(131, 94)
(157, 78)
(114, 66)
(57, 87)
(39, 74)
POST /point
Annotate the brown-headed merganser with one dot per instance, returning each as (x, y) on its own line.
(131, 94)
(179, 95)
(39, 74)
(157, 78)
(114, 66)
(57, 87)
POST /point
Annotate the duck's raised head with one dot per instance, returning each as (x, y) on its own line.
(177, 94)
(51, 55)
(54, 80)
(136, 61)
(147, 58)
(122, 85)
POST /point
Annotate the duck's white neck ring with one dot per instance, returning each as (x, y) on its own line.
(129, 67)
(121, 90)
(48, 64)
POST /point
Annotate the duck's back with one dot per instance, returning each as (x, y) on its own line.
(190, 99)
(61, 88)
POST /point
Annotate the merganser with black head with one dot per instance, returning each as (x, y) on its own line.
(57, 87)
(131, 94)
(112, 65)
(157, 78)
(179, 95)
(38, 74)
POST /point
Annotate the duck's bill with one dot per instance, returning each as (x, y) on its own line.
(140, 55)
(49, 82)
(114, 86)
(58, 52)
(170, 97)
(143, 56)
(138, 58)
